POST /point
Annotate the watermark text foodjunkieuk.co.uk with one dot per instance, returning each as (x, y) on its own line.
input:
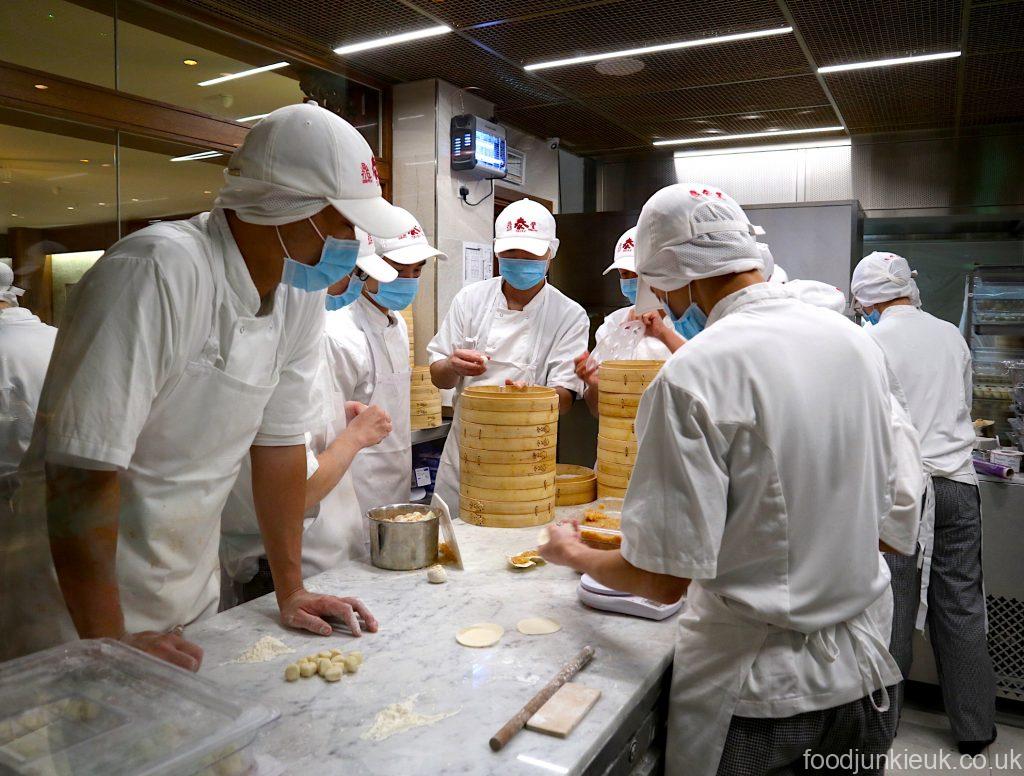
(941, 761)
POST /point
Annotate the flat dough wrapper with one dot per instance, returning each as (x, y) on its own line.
(538, 626)
(485, 634)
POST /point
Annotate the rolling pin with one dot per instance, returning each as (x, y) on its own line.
(514, 725)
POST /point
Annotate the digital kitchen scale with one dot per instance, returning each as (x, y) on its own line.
(598, 596)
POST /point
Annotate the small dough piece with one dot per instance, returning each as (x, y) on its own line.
(333, 674)
(335, 652)
(355, 655)
(338, 659)
(351, 664)
(307, 669)
(325, 653)
(437, 575)
(538, 626)
(323, 666)
(485, 634)
(291, 672)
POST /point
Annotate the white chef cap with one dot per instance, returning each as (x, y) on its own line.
(779, 275)
(691, 231)
(8, 291)
(882, 277)
(818, 294)
(769, 260)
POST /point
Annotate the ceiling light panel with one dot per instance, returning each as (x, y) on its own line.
(888, 62)
(243, 74)
(735, 124)
(688, 141)
(392, 40)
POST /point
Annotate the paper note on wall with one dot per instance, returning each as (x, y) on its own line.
(477, 262)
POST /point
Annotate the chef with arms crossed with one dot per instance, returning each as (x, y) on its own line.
(932, 363)
(369, 346)
(333, 530)
(189, 345)
(742, 502)
(515, 328)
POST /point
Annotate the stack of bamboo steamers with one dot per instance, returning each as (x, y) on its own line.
(621, 385)
(507, 448)
(410, 325)
(425, 399)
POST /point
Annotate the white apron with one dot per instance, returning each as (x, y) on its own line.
(478, 334)
(714, 655)
(167, 564)
(382, 473)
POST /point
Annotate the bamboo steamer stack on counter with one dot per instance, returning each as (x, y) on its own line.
(425, 400)
(507, 449)
(621, 384)
(409, 324)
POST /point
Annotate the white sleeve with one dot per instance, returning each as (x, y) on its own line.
(452, 332)
(291, 410)
(899, 528)
(572, 341)
(968, 381)
(113, 353)
(350, 360)
(674, 515)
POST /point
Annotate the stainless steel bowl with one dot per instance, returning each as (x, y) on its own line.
(402, 546)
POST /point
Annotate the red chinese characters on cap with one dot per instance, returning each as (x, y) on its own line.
(628, 245)
(373, 164)
(521, 225)
(365, 173)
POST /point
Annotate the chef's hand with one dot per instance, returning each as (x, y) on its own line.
(519, 385)
(370, 426)
(655, 326)
(563, 542)
(587, 374)
(468, 363)
(353, 408)
(303, 609)
(172, 647)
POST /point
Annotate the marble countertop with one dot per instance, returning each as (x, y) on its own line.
(415, 653)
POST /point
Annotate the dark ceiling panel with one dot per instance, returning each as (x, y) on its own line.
(996, 28)
(840, 31)
(994, 89)
(765, 121)
(746, 97)
(886, 99)
(625, 24)
(581, 130)
(457, 61)
(466, 13)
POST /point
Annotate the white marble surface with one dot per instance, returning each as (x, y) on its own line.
(415, 652)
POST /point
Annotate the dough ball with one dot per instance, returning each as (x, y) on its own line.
(335, 652)
(333, 674)
(291, 672)
(325, 653)
(307, 669)
(485, 634)
(352, 664)
(437, 575)
(323, 666)
(537, 626)
(338, 659)
(355, 655)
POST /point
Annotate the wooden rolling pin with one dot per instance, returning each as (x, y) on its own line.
(514, 725)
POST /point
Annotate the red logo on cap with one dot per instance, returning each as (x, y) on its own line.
(414, 232)
(522, 226)
(694, 193)
(373, 164)
(369, 239)
(628, 245)
(364, 171)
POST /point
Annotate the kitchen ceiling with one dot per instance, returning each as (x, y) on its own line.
(755, 85)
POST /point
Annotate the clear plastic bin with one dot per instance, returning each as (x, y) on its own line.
(998, 302)
(99, 708)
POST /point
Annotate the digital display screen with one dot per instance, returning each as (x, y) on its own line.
(490, 150)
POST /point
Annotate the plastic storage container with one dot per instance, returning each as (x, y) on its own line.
(100, 707)
(996, 302)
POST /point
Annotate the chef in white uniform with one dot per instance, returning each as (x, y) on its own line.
(784, 637)
(515, 328)
(187, 346)
(25, 347)
(370, 346)
(333, 530)
(932, 364)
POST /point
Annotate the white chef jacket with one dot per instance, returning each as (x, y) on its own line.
(649, 349)
(167, 308)
(763, 473)
(932, 362)
(25, 347)
(350, 349)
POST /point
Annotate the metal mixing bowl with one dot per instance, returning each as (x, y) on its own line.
(402, 546)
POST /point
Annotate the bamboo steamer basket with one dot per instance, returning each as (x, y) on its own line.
(606, 491)
(612, 480)
(513, 483)
(622, 384)
(525, 444)
(622, 447)
(421, 376)
(634, 376)
(485, 431)
(625, 401)
(513, 418)
(616, 434)
(494, 398)
(425, 400)
(426, 421)
(410, 325)
(496, 520)
(615, 467)
(502, 457)
(480, 506)
(574, 485)
(611, 410)
(487, 494)
(514, 469)
(421, 390)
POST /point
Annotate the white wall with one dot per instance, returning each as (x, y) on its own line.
(541, 178)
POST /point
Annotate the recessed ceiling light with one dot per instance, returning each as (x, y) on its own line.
(656, 49)
(102, 204)
(200, 155)
(713, 131)
(619, 67)
(190, 62)
(888, 62)
(105, 164)
(254, 117)
(207, 192)
(752, 116)
(70, 207)
(135, 199)
(84, 161)
(41, 87)
(243, 74)
(15, 215)
(391, 40)
(745, 136)
(843, 142)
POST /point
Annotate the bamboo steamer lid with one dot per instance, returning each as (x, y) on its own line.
(472, 431)
(480, 506)
(486, 494)
(509, 482)
(630, 371)
(494, 398)
(500, 445)
(607, 491)
(509, 456)
(506, 521)
(627, 447)
(574, 485)
(515, 469)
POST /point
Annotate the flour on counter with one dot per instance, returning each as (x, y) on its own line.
(263, 650)
(399, 717)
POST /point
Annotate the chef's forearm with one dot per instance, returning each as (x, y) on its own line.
(332, 464)
(279, 494)
(673, 340)
(592, 396)
(82, 509)
(443, 374)
(565, 400)
(611, 569)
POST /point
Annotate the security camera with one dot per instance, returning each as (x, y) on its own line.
(554, 143)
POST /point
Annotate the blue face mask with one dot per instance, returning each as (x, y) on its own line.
(873, 317)
(337, 259)
(628, 286)
(691, 323)
(522, 274)
(398, 294)
(355, 288)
